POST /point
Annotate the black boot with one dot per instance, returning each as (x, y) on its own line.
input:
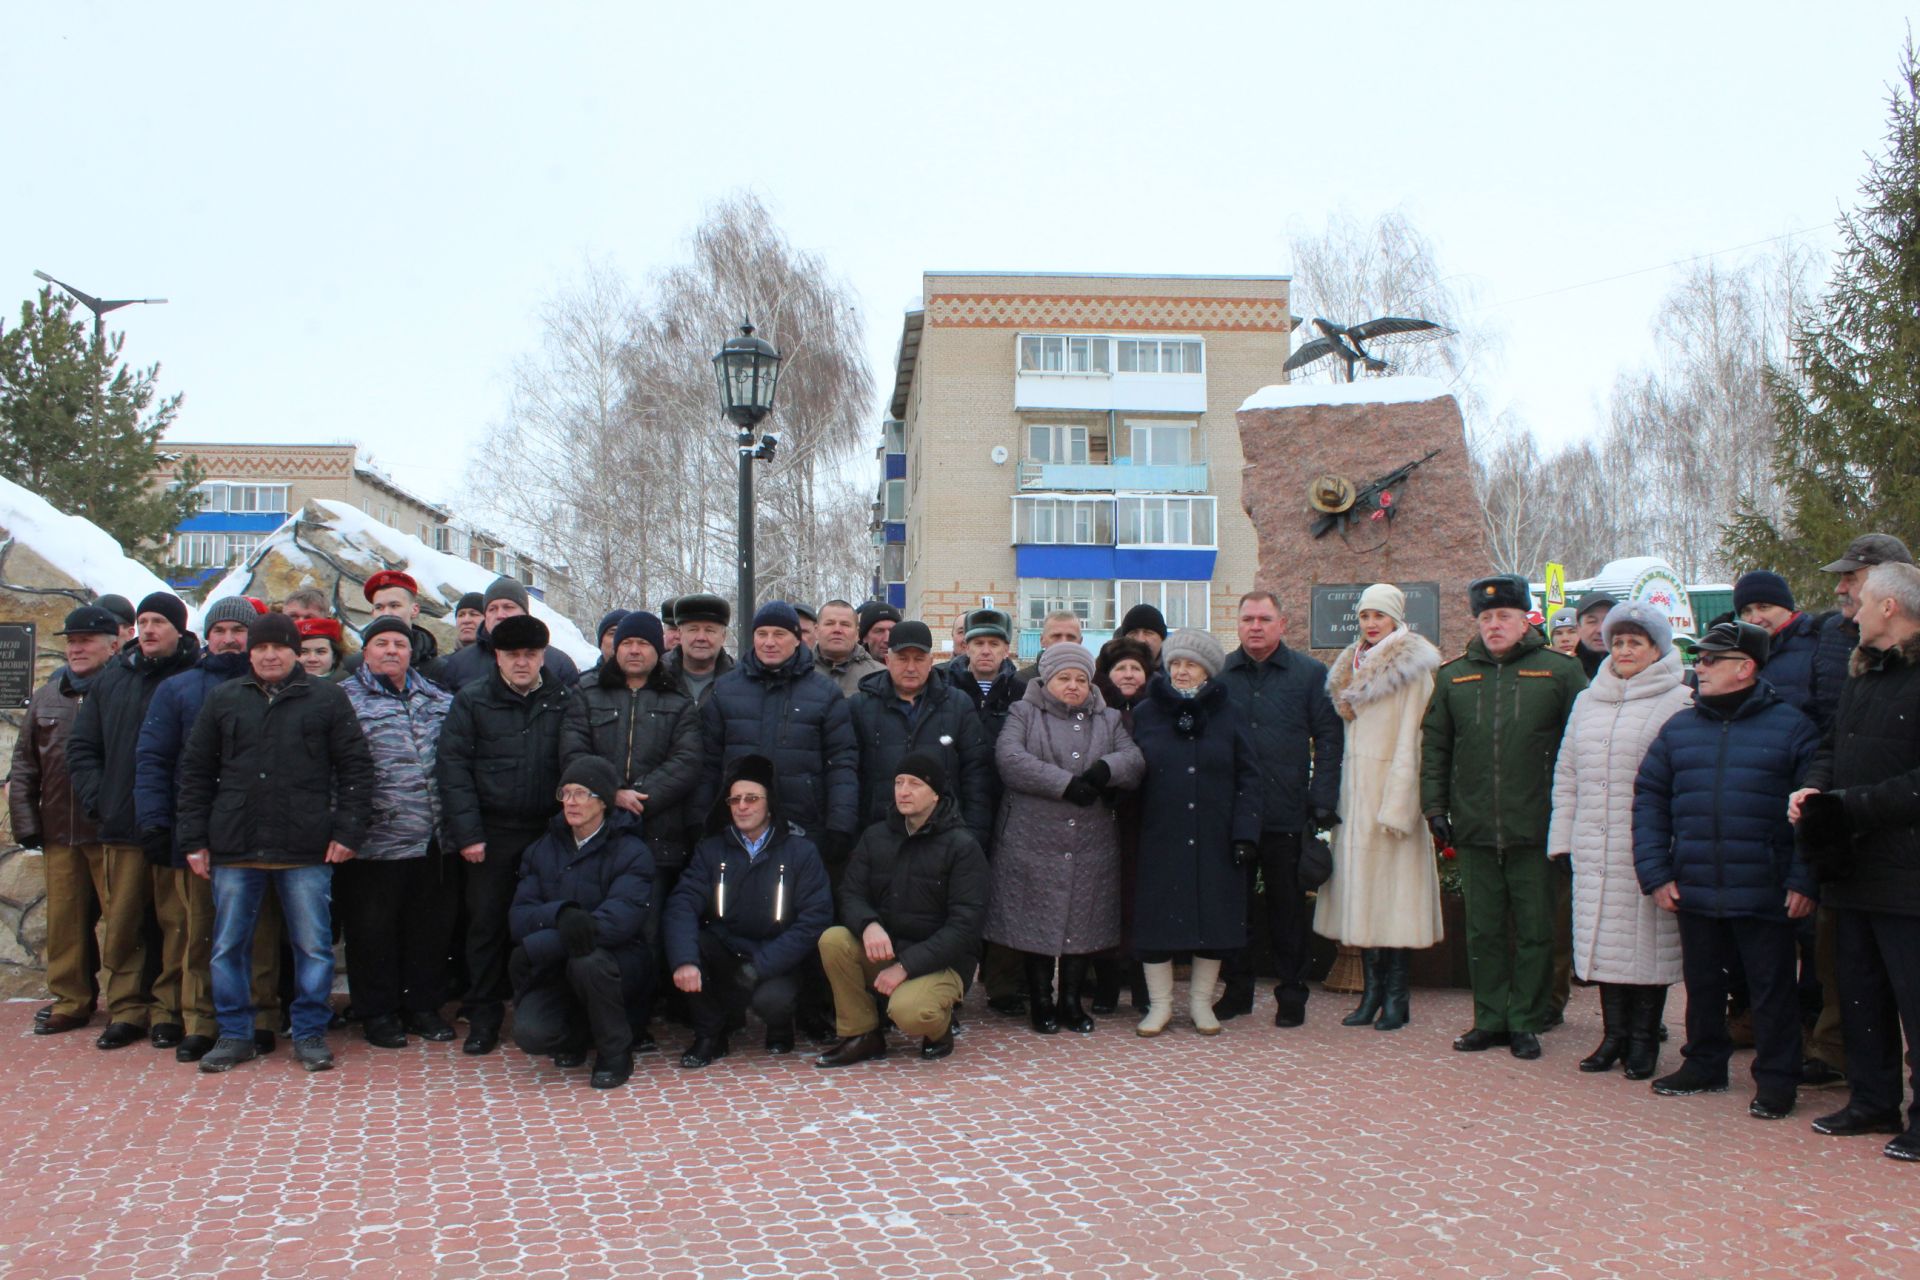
(1106, 984)
(1137, 986)
(1040, 1011)
(1073, 974)
(1394, 1012)
(1616, 1015)
(1373, 990)
(1648, 1005)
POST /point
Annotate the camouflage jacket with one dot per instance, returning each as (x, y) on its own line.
(403, 731)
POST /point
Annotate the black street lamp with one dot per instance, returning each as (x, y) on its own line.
(748, 369)
(99, 307)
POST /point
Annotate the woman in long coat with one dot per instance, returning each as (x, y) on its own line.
(1384, 895)
(1120, 673)
(1621, 939)
(1056, 860)
(1200, 827)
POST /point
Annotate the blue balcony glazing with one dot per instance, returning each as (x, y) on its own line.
(1118, 477)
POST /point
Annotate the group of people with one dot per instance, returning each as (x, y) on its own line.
(831, 830)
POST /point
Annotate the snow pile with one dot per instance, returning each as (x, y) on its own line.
(336, 547)
(1410, 389)
(72, 546)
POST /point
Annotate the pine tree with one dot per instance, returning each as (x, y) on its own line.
(82, 429)
(1848, 451)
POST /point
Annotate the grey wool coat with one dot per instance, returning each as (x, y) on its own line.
(1056, 865)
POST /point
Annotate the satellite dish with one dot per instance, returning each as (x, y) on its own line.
(999, 455)
(1330, 495)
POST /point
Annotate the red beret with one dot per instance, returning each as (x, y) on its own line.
(328, 628)
(389, 578)
(259, 605)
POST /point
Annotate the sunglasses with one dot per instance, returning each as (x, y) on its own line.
(743, 801)
(1715, 659)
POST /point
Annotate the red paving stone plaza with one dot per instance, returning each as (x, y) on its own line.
(1324, 1151)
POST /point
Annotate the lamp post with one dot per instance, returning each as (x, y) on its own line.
(99, 307)
(748, 368)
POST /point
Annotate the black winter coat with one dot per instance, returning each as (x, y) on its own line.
(1202, 794)
(106, 734)
(994, 705)
(1872, 758)
(797, 718)
(653, 739)
(928, 890)
(1298, 738)
(1835, 639)
(946, 724)
(475, 662)
(274, 775)
(1794, 671)
(1710, 807)
(499, 760)
(775, 909)
(610, 878)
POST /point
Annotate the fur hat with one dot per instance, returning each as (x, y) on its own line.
(1501, 591)
(756, 769)
(1646, 617)
(701, 608)
(1065, 655)
(989, 622)
(521, 631)
(1384, 597)
(1196, 646)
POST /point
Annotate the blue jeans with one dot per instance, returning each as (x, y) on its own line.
(306, 902)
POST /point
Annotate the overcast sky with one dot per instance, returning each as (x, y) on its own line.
(355, 209)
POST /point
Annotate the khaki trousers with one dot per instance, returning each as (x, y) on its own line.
(124, 882)
(73, 905)
(918, 1006)
(195, 961)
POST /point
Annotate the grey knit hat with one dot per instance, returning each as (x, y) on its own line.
(1196, 646)
(230, 609)
(1056, 658)
(1639, 614)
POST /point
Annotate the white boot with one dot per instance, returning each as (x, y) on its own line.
(1159, 999)
(1200, 996)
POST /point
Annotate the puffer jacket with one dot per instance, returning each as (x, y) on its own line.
(1619, 934)
(653, 738)
(1710, 807)
(273, 775)
(1835, 640)
(1794, 673)
(41, 799)
(945, 722)
(1872, 758)
(928, 890)
(1489, 739)
(106, 734)
(797, 718)
(774, 910)
(475, 662)
(163, 739)
(499, 760)
(1298, 738)
(403, 733)
(610, 877)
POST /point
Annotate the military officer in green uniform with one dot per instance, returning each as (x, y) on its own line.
(1492, 732)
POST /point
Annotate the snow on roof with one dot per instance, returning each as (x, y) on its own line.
(1410, 389)
(74, 545)
(436, 571)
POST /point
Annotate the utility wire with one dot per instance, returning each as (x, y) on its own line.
(1641, 271)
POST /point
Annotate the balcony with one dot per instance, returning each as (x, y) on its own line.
(1121, 477)
(1027, 644)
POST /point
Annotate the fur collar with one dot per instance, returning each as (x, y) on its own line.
(1906, 653)
(1402, 659)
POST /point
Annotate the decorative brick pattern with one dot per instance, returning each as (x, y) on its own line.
(1025, 310)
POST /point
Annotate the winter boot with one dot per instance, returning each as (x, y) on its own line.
(1106, 983)
(1200, 996)
(1374, 971)
(1073, 976)
(1394, 1012)
(1616, 1016)
(1137, 986)
(1040, 1011)
(1648, 1005)
(1159, 980)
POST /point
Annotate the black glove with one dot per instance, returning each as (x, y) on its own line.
(1245, 852)
(157, 844)
(1324, 818)
(1098, 775)
(33, 841)
(1442, 830)
(576, 930)
(1081, 792)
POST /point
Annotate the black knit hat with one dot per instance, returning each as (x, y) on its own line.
(1501, 591)
(167, 605)
(926, 766)
(1761, 586)
(640, 625)
(384, 623)
(273, 628)
(521, 631)
(873, 612)
(472, 600)
(1144, 617)
(608, 621)
(596, 775)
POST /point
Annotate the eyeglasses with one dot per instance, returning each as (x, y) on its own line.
(1715, 659)
(740, 802)
(575, 794)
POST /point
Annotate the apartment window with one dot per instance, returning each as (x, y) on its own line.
(1064, 353)
(1063, 521)
(893, 562)
(1057, 444)
(1165, 522)
(1150, 355)
(207, 550)
(894, 436)
(1183, 604)
(223, 496)
(1088, 599)
(1160, 444)
(896, 500)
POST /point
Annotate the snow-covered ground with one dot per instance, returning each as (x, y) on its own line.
(74, 545)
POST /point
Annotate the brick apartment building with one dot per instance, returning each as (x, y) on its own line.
(1069, 442)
